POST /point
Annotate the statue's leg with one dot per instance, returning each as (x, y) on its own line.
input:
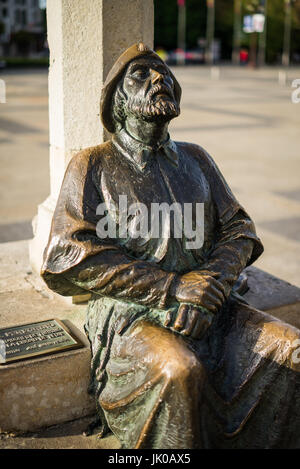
(252, 397)
(153, 391)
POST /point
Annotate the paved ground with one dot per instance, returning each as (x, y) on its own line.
(24, 166)
(67, 436)
(246, 120)
(248, 123)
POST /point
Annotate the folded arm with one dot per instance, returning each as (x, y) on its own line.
(112, 273)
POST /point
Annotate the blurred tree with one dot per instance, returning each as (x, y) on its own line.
(275, 27)
(295, 37)
(165, 29)
(224, 26)
(195, 21)
(165, 24)
(165, 32)
(275, 30)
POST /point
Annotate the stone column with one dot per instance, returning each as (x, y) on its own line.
(85, 38)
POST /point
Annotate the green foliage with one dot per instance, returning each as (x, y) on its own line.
(165, 23)
(15, 62)
(275, 30)
(196, 21)
(224, 26)
(166, 17)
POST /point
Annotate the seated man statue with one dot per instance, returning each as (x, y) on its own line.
(179, 359)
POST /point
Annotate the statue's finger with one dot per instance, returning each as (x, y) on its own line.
(204, 321)
(191, 321)
(200, 328)
(211, 299)
(181, 317)
(169, 318)
(217, 285)
(209, 305)
(217, 292)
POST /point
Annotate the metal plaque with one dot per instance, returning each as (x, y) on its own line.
(35, 339)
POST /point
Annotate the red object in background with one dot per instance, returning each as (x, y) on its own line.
(181, 3)
(244, 56)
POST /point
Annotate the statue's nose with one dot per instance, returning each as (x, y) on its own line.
(156, 77)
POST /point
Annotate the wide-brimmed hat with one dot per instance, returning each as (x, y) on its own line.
(137, 50)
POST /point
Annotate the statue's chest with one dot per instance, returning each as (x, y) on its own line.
(158, 209)
(160, 182)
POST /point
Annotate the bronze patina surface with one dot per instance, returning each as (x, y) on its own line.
(35, 339)
(180, 360)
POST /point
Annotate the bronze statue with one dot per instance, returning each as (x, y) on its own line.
(180, 360)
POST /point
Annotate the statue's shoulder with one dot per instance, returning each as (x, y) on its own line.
(193, 150)
(90, 157)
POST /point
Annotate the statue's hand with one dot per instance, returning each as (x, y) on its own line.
(200, 289)
(190, 320)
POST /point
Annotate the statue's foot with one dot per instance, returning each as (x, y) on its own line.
(103, 428)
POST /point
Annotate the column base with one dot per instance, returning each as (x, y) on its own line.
(41, 224)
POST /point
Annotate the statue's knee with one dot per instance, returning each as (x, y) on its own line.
(282, 332)
(183, 368)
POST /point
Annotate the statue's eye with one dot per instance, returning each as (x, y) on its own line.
(162, 71)
(140, 73)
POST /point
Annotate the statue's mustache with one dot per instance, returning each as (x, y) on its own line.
(160, 88)
(147, 106)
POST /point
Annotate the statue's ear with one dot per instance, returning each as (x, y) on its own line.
(117, 106)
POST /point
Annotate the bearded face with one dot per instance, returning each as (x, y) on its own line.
(157, 103)
(147, 92)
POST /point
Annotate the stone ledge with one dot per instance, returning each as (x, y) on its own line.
(273, 295)
(45, 391)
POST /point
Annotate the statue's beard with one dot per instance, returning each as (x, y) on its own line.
(154, 105)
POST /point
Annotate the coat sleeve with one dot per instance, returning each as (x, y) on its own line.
(236, 244)
(76, 261)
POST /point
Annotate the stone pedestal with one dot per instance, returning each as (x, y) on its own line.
(48, 390)
(45, 391)
(85, 38)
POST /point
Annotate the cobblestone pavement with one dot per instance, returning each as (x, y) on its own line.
(245, 119)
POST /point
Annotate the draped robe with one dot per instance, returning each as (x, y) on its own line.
(238, 385)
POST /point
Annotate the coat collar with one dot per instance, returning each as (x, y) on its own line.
(141, 155)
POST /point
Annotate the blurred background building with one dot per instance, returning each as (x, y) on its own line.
(22, 28)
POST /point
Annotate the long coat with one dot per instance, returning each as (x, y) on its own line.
(237, 386)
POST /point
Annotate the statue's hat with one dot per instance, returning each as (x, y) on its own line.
(137, 50)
